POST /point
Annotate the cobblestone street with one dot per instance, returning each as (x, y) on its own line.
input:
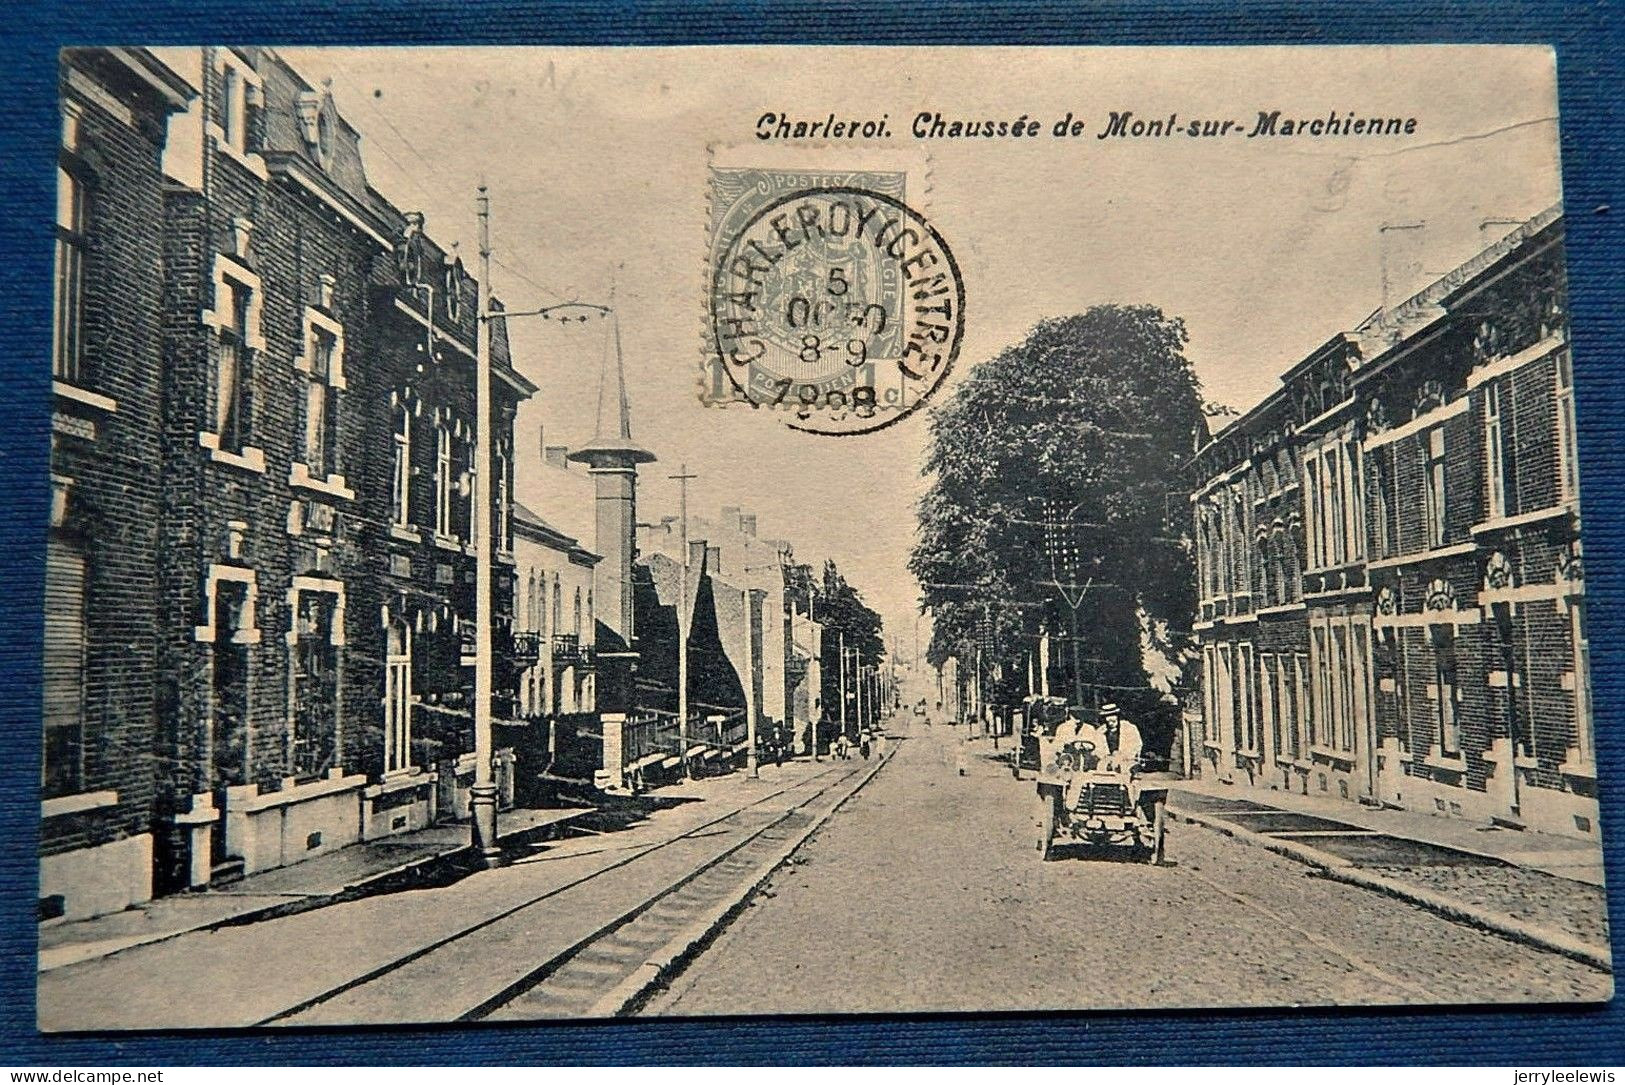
(957, 913)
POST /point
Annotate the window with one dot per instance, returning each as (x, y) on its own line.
(1331, 479)
(1568, 469)
(504, 510)
(1344, 669)
(315, 680)
(1448, 730)
(401, 487)
(590, 626)
(239, 102)
(558, 611)
(64, 678)
(321, 402)
(1354, 505)
(231, 106)
(1506, 624)
(1433, 495)
(1321, 669)
(398, 698)
(578, 614)
(442, 480)
(1246, 726)
(1226, 696)
(1584, 746)
(234, 307)
(231, 623)
(1210, 714)
(1495, 502)
(1311, 512)
(1268, 708)
(69, 289)
(1305, 703)
(1379, 503)
(463, 524)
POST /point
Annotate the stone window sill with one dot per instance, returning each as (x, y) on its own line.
(404, 533)
(250, 161)
(1326, 753)
(446, 542)
(400, 780)
(247, 458)
(1585, 770)
(1436, 759)
(81, 395)
(77, 804)
(297, 793)
(332, 485)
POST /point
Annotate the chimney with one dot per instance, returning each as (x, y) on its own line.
(696, 554)
(730, 517)
(1399, 247)
(747, 523)
(554, 455)
(713, 560)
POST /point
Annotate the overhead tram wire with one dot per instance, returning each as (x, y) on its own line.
(411, 176)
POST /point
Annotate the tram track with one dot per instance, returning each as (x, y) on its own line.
(639, 908)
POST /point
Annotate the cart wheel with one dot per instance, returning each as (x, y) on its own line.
(1159, 827)
(1049, 809)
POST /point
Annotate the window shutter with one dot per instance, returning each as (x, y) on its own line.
(64, 659)
(253, 121)
(245, 393)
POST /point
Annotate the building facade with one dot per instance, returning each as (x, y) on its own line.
(1391, 584)
(265, 375)
(101, 671)
(555, 620)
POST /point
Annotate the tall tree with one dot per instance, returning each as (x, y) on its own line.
(1073, 439)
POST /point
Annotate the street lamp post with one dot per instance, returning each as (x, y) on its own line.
(482, 802)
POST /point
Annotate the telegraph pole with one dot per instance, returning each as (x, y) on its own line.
(482, 803)
(750, 685)
(683, 617)
(841, 640)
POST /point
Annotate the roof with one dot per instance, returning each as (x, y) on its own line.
(532, 526)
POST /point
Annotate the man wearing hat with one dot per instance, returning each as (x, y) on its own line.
(1120, 740)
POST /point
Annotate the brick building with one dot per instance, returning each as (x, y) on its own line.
(1391, 587)
(260, 572)
(100, 639)
(318, 519)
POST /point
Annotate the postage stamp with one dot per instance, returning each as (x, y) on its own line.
(829, 296)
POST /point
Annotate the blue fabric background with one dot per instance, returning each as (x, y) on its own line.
(1589, 47)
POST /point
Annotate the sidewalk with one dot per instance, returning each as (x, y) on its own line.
(447, 944)
(1535, 887)
(348, 872)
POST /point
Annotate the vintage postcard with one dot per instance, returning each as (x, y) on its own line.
(556, 533)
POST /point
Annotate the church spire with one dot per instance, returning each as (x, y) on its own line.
(611, 443)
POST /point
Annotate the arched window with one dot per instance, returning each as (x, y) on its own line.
(590, 626)
(533, 605)
(558, 611)
(578, 613)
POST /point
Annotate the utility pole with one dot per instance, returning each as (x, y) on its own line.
(482, 803)
(841, 640)
(750, 685)
(818, 709)
(683, 616)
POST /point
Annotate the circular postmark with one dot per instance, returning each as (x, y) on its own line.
(840, 305)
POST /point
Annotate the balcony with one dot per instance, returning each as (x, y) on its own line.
(524, 648)
(568, 651)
